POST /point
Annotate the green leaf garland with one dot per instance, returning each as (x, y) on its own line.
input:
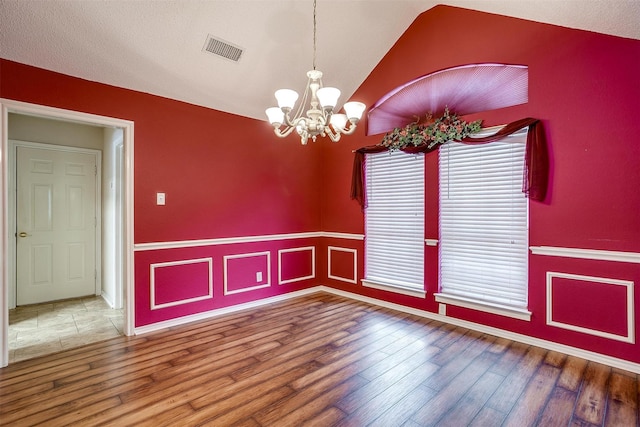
(446, 128)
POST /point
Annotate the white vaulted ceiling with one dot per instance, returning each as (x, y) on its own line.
(156, 46)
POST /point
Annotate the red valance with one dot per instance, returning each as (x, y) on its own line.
(536, 166)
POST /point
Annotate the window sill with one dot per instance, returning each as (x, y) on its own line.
(394, 288)
(501, 310)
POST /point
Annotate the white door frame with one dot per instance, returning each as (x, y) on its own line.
(13, 168)
(10, 106)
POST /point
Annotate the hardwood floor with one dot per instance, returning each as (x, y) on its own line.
(319, 360)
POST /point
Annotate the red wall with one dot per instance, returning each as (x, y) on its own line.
(584, 87)
(223, 175)
(223, 183)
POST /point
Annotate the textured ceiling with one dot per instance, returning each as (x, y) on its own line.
(155, 46)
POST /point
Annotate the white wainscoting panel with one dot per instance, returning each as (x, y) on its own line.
(297, 279)
(159, 265)
(630, 337)
(353, 279)
(267, 283)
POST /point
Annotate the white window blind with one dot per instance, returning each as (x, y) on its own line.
(394, 220)
(484, 222)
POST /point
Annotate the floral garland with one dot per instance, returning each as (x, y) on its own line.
(446, 128)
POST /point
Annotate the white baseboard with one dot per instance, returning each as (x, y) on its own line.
(107, 298)
(548, 345)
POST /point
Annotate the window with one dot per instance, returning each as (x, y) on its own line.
(394, 222)
(484, 227)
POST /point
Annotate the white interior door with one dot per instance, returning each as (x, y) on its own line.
(56, 224)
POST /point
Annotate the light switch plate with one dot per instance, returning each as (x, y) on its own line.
(160, 199)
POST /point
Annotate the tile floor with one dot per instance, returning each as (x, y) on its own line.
(39, 329)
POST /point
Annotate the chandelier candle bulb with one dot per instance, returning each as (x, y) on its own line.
(328, 97)
(286, 98)
(275, 115)
(354, 110)
(338, 121)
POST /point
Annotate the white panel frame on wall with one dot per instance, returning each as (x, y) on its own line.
(152, 282)
(355, 264)
(247, 255)
(297, 279)
(629, 338)
(11, 106)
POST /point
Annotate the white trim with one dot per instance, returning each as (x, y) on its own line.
(152, 246)
(247, 255)
(594, 254)
(394, 288)
(222, 241)
(348, 236)
(630, 337)
(431, 242)
(297, 279)
(353, 280)
(222, 311)
(8, 105)
(525, 339)
(152, 282)
(501, 310)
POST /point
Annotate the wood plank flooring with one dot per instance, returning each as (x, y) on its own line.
(319, 360)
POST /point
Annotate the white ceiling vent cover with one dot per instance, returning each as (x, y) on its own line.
(222, 48)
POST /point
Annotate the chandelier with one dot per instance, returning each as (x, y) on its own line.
(319, 118)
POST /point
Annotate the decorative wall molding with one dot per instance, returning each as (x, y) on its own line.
(593, 254)
(152, 246)
(353, 279)
(223, 241)
(152, 284)
(630, 337)
(247, 255)
(348, 236)
(297, 279)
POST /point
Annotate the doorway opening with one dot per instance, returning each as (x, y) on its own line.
(59, 130)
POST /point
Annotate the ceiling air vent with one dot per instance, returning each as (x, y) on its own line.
(222, 48)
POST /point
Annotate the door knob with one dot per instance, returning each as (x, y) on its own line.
(23, 234)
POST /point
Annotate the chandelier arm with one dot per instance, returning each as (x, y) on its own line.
(334, 136)
(295, 122)
(283, 133)
(350, 129)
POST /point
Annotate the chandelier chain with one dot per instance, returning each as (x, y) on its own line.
(314, 34)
